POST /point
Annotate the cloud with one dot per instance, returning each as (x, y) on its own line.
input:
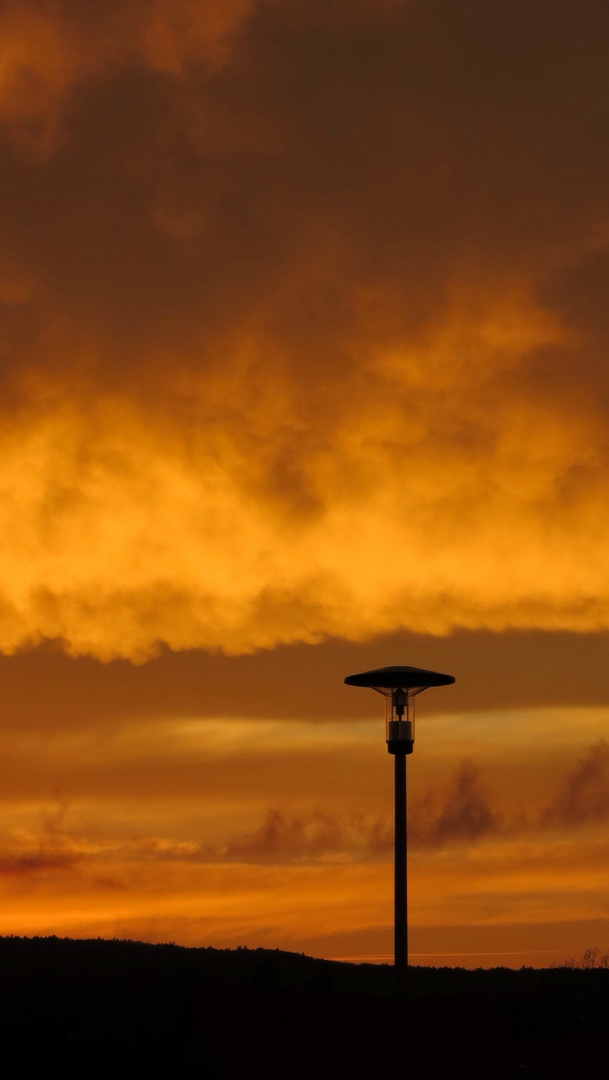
(54, 849)
(466, 813)
(36, 861)
(51, 50)
(305, 683)
(323, 835)
(465, 816)
(462, 818)
(317, 836)
(303, 328)
(583, 796)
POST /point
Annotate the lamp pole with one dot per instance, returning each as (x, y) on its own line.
(400, 868)
(399, 686)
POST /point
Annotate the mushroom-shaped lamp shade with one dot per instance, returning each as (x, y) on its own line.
(399, 685)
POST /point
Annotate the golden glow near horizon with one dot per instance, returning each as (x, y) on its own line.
(164, 837)
(297, 349)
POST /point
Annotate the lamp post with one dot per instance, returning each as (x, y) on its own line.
(400, 685)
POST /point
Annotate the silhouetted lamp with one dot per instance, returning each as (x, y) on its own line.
(399, 686)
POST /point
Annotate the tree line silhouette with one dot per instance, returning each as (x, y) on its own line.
(99, 1008)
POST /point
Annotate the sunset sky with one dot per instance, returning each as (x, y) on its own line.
(304, 363)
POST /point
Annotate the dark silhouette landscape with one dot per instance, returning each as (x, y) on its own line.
(101, 1008)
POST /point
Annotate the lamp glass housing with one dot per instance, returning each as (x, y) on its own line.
(399, 717)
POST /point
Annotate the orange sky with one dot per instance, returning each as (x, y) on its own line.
(303, 358)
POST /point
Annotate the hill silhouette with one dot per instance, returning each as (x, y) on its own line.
(118, 1009)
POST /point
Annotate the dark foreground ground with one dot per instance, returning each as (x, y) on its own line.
(118, 1009)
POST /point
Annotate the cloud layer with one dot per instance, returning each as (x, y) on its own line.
(304, 325)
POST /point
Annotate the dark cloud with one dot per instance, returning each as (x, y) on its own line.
(36, 861)
(466, 813)
(288, 837)
(54, 849)
(325, 162)
(393, 145)
(44, 688)
(464, 817)
(583, 797)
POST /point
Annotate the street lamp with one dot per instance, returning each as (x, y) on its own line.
(400, 685)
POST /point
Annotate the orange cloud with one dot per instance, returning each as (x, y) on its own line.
(135, 528)
(289, 353)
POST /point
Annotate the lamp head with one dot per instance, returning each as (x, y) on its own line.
(399, 685)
